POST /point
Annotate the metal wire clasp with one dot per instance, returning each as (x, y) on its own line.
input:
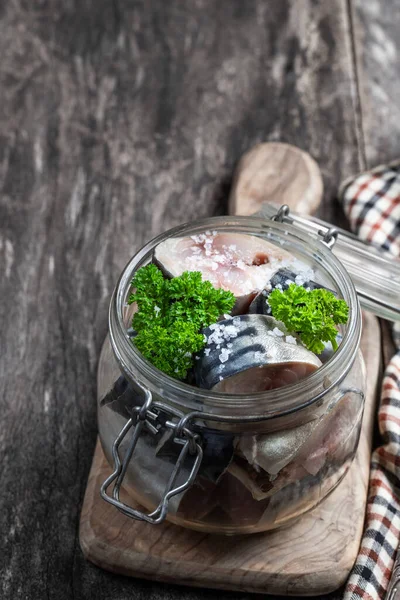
(146, 417)
(329, 235)
(282, 214)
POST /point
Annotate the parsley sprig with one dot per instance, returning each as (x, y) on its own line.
(171, 313)
(312, 314)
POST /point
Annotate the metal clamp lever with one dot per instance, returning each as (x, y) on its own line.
(139, 421)
(329, 234)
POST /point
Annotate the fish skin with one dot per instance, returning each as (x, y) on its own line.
(252, 347)
(217, 449)
(240, 263)
(249, 478)
(273, 451)
(283, 277)
(218, 452)
(122, 397)
(328, 351)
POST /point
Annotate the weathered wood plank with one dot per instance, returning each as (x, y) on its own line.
(377, 42)
(118, 120)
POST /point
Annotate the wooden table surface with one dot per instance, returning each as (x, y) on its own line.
(118, 120)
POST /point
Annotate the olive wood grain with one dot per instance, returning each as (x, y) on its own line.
(312, 556)
(279, 173)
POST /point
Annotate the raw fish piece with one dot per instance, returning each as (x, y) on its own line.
(259, 484)
(290, 455)
(240, 263)
(122, 397)
(251, 353)
(330, 436)
(238, 501)
(274, 451)
(217, 451)
(199, 500)
(230, 498)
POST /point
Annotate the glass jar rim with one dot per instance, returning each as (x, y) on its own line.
(271, 403)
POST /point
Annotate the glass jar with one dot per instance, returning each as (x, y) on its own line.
(225, 463)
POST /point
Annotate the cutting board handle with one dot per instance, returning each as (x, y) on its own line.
(278, 173)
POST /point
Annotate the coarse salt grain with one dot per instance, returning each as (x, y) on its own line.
(224, 355)
(277, 332)
(230, 332)
(291, 340)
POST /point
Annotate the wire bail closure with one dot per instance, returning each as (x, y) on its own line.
(145, 417)
(329, 234)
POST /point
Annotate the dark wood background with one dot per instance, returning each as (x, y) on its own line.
(118, 120)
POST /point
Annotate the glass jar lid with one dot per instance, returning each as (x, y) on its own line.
(374, 272)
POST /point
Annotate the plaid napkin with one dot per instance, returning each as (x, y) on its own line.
(372, 204)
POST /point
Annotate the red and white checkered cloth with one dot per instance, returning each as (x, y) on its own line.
(372, 204)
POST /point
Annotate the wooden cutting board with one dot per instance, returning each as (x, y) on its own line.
(312, 556)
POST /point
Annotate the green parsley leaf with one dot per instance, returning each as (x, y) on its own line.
(197, 301)
(312, 315)
(150, 284)
(170, 349)
(171, 313)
